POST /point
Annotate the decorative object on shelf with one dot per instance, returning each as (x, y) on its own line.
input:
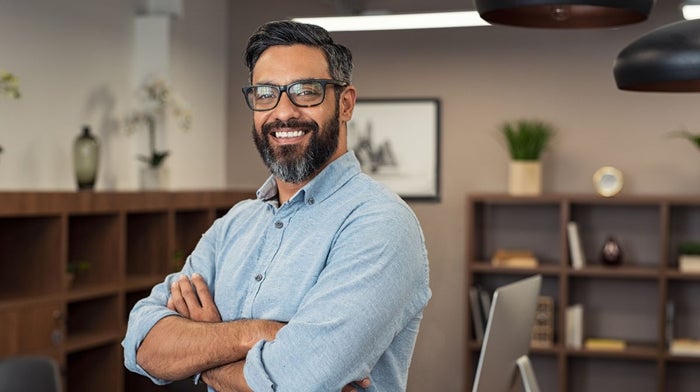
(574, 326)
(543, 328)
(158, 101)
(689, 257)
(663, 60)
(526, 141)
(611, 254)
(608, 181)
(86, 159)
(606, 344)
(564, 14)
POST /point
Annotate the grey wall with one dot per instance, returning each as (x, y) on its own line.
(485, 76)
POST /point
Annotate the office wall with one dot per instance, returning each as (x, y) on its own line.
(485, 76)
(74, 61)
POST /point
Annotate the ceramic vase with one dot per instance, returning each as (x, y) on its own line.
(611, 254)
(86, 156)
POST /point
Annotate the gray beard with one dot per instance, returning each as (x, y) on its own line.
(293, 165)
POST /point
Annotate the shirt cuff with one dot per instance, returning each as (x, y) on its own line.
(254, 370)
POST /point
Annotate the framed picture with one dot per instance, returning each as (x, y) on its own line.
(397, 142)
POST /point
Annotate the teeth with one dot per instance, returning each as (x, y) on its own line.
(289, 134)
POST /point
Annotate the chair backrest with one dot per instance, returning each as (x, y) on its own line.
(30, 374)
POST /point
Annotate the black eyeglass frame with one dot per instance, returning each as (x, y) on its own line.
(283, 89)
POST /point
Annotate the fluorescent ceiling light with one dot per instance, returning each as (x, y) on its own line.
(397, 21)
(691, 11)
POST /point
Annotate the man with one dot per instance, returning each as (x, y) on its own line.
(319, 282)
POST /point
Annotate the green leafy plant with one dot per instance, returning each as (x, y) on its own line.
(527, 139)
(694, 138)
(9, 86)
(77, 266)
(689, 248)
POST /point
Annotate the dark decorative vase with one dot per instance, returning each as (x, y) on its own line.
(611, 254)
(86, 153)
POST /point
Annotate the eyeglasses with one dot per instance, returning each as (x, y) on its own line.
(302, 93)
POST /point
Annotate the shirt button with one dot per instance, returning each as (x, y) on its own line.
(258, 277)
(279, 224)
(311, 201)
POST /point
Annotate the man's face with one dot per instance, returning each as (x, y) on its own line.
(296, 142)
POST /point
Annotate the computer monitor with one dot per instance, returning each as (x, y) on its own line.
(503, 361)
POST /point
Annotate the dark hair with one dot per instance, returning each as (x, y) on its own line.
(287, 32)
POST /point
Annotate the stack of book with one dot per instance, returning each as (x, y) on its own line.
(687, 347)
(514, 259)
(605, 344)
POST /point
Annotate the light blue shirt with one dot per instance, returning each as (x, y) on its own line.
(343, 262)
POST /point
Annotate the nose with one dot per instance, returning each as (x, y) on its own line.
(285, 108)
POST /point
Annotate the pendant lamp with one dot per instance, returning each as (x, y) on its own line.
(666, 59)
(565, 14)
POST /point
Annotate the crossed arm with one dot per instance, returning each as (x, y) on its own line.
(202, 342)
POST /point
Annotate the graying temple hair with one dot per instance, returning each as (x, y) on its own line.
(289, 33)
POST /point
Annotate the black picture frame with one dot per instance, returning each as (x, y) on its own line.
(397, 141)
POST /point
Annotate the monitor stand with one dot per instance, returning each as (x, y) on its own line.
(527, 374)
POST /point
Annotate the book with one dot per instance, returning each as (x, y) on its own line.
(578, 260)
(478, 322)
(574, 326)
(688, 347)
(514, 259)
(605, 344)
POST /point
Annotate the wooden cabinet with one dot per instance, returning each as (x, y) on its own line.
(627, 302)
(122, 244)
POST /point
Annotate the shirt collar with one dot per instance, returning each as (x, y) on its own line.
(320, 187)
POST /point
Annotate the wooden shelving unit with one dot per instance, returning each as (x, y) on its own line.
(625, 302)
(130, 240)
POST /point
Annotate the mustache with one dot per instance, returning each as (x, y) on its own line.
(277, 124)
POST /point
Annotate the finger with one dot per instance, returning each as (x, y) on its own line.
(188, 293)
(178, 301)
(364, 383)
(203, 293)
(348, 388)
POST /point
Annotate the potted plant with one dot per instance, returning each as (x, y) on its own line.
(689, 256)
(157, 101)
(526, 140)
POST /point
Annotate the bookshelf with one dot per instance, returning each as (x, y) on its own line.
(626, 302)
(130, 241)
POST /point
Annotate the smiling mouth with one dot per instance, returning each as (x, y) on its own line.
(288, 134)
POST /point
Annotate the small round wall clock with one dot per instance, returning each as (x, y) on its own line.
(607, 181)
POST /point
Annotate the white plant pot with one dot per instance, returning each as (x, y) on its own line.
(154, 179)
(525, 178)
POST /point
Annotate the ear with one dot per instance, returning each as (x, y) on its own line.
(347, 103)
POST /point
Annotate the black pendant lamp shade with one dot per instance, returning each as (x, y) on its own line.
(565, 14)
(666, 59)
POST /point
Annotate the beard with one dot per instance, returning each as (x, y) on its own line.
(296, 163)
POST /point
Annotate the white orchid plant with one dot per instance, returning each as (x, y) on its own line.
(9, 86)
(158, 101)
